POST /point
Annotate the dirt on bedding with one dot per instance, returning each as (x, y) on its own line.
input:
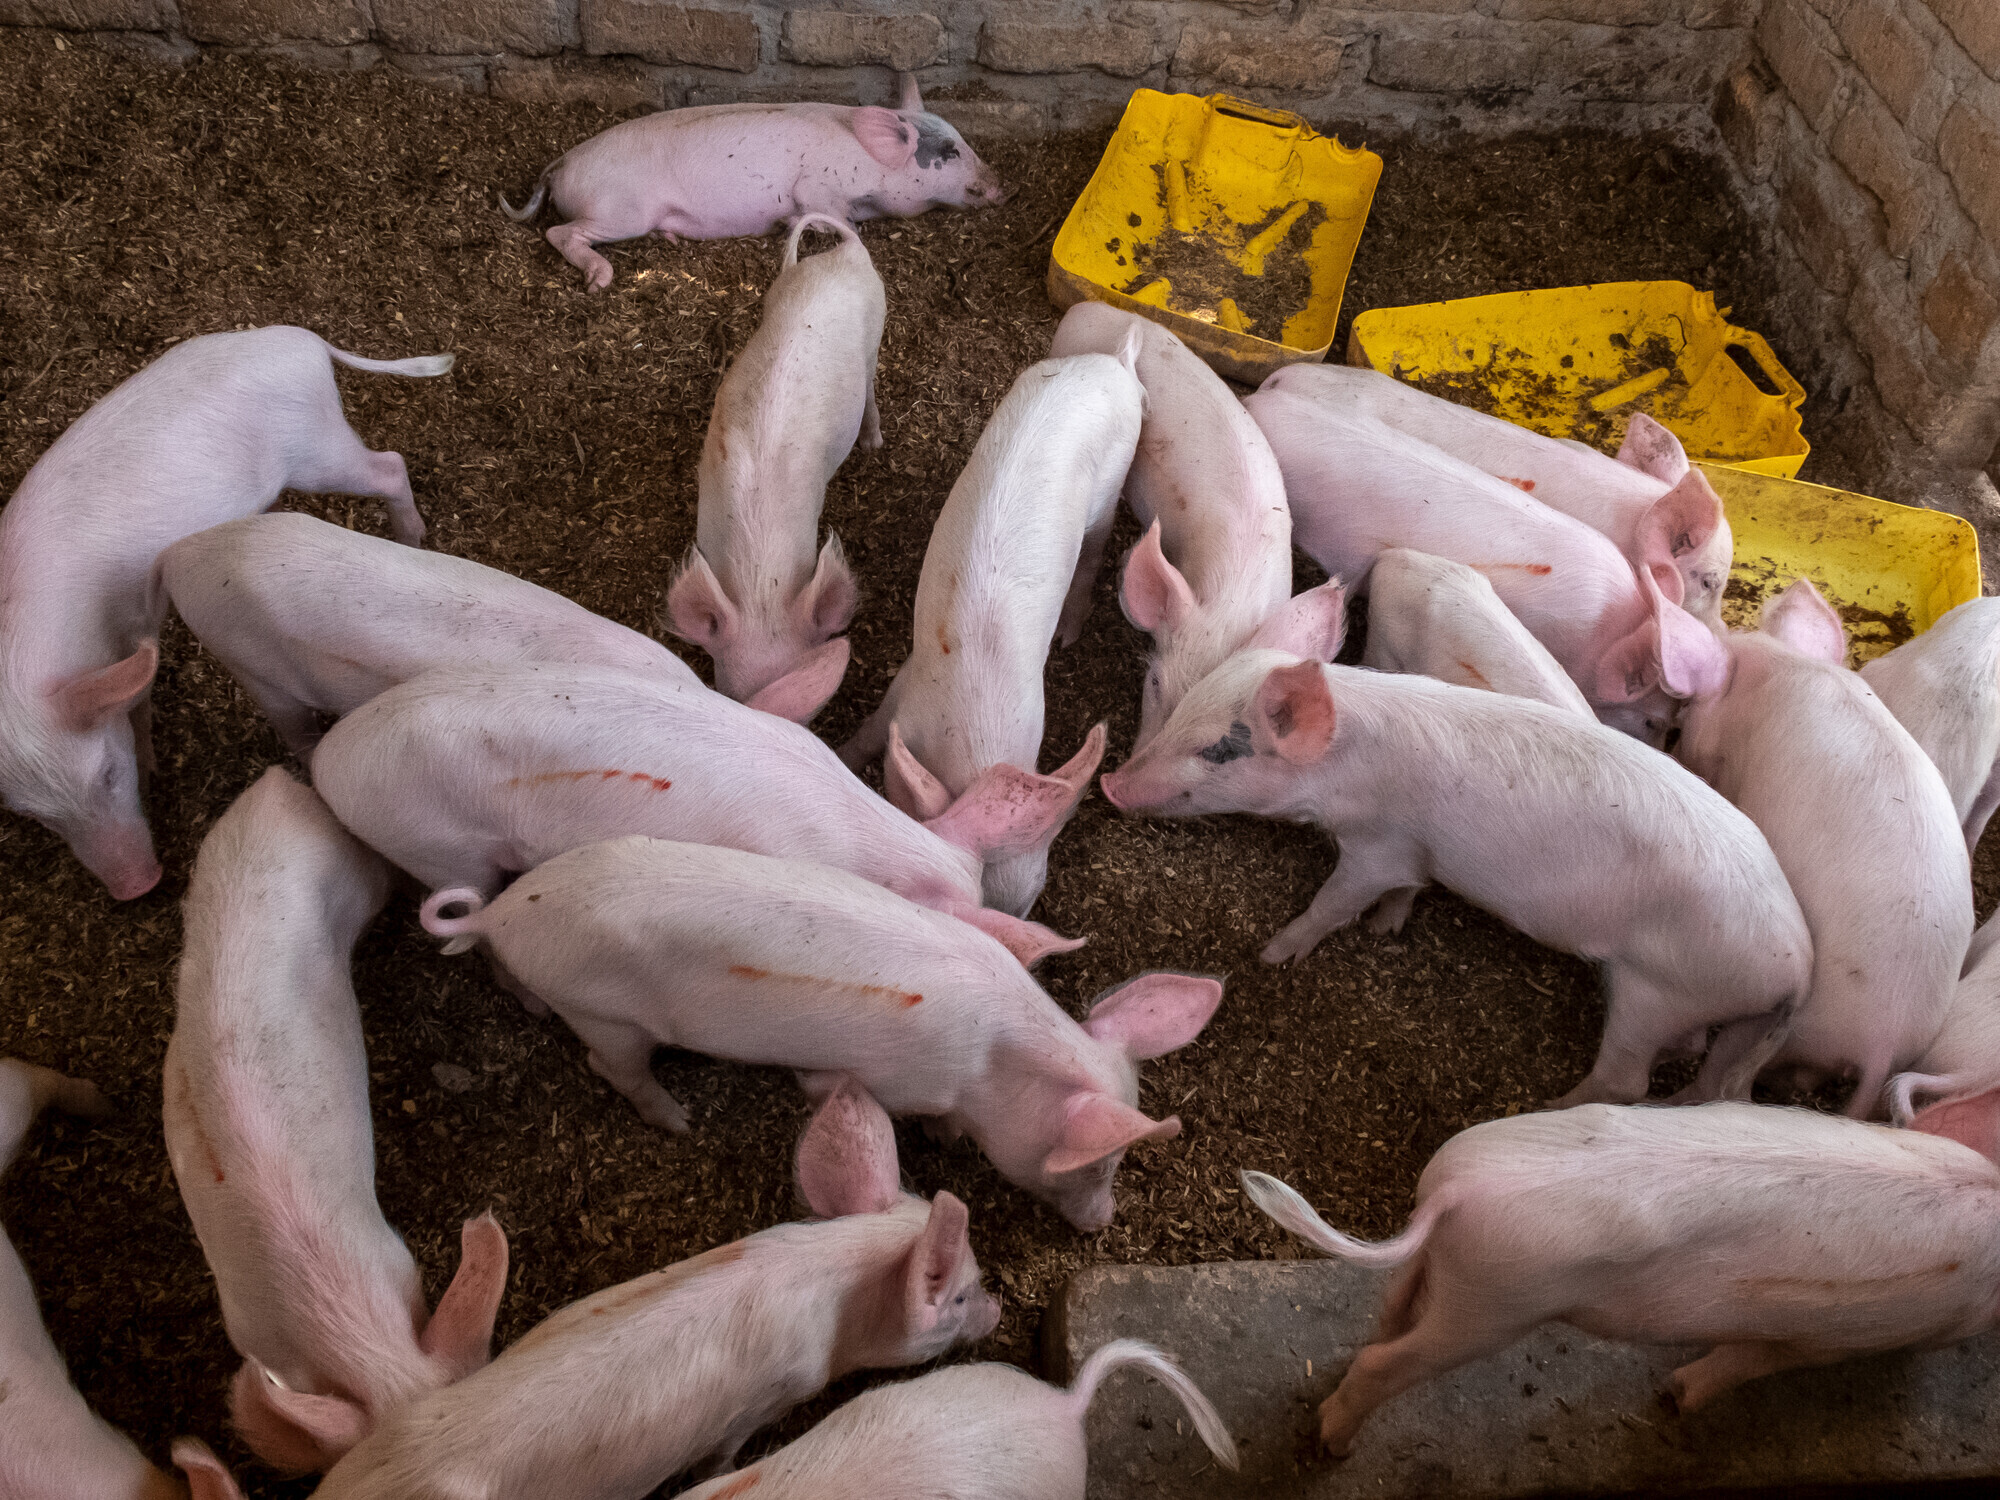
(148, 206)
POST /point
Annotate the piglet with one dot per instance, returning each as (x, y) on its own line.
(1358, 487)
(722, 170)
(314, 620)
(1864, 830)
(1438, 618)
(211, 430)
(266, 1111)
(1010, 567)
(52, 1446)
(464, 778)
(613, 1395)
(639, 943)
(787, 415)
(1216, 556)
(1658, 509)
(1579, 836)
(1944, 687)
(972, 1432)
(1777, 1238)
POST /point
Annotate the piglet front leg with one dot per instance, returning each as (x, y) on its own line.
(1370, 869)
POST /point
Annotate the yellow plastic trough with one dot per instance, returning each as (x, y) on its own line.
(1232, 224)
(1577, 361)
(1891, 570)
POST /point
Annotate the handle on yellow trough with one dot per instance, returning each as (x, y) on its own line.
(1243, 109)
(1766, 357)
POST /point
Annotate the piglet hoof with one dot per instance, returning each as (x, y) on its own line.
(1288, 945)
(663, 1112)
(1336, 1433)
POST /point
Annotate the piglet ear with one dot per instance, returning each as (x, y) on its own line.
(1309, 625)
(908, 784)
(907, 97)
(885, 135)
(1677, 525)
(803, 691)
(1973, 1122)
(826, 604)
(1096, 1126)
(847, 1157)
(1630, 667)
(1152, 592)
(1010, 811)
(1669, 648)
(1154, 1014)
(84, 703)
(1294, 712)
(207, 1478)
(460, 1333)
(697, 608)
(1807, 623)
(1651, 449)
(292, 1430)
(1030, 942)
(937, 1262)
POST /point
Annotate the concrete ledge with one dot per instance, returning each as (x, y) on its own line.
(1560, 1413)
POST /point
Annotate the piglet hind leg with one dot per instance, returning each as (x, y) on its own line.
(1639, 1024)
(1076, 603)
(1443, 1338)
(1725, 1366)
(622, 1055)
(573, 243)
(1367, 872)
(347, 466)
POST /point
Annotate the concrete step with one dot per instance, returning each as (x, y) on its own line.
(1559, 1413)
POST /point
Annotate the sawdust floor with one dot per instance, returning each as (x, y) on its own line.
(148, 206)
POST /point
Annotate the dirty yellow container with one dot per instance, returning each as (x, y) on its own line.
(1232, 224)
(1891, 570)
(1577, 361)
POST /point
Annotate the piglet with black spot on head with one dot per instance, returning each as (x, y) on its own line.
(719, 171)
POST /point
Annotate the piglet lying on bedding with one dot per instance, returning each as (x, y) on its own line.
(721, 170)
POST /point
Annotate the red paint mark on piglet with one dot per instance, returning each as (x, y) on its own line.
(904, 998)
(742, 1484)
(546, 778)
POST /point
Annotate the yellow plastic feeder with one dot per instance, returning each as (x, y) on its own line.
(1891, 570)
(1232, 224)
(1577, 361)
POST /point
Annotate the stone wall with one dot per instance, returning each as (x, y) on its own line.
(1017, 66)
(1871, 130)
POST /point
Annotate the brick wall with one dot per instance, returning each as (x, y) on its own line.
(1870, 129)
(1018, 66)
